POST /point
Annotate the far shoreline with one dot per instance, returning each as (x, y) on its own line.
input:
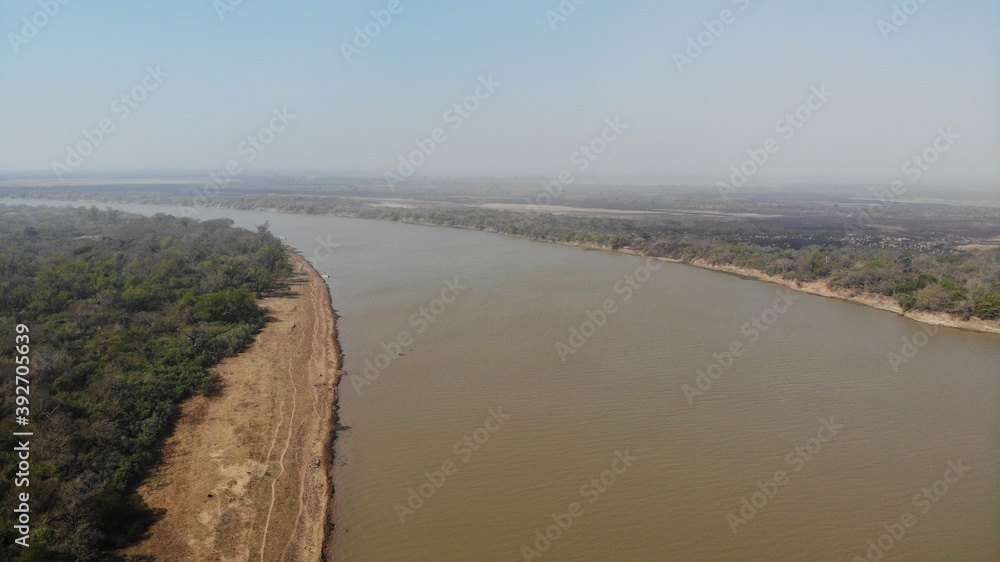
(817, 288)
(878, 302)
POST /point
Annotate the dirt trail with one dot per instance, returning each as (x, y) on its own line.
(226, 492)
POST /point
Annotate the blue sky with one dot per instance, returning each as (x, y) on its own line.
(226, 76)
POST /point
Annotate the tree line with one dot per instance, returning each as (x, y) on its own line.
(931, 275)
(936, 278)
(127, 314)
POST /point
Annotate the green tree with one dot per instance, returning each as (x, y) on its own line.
(230, 305)
(988, 307)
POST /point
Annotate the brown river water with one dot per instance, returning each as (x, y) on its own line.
(550, 403)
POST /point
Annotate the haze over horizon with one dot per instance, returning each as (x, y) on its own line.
(884, 86)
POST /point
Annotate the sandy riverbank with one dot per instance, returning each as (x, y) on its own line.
(880, 302)
(247, 473)
(820, 288)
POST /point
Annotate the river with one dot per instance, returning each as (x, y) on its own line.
(550, 403)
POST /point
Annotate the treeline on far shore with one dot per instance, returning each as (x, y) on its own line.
(127, 315)
(964, 282)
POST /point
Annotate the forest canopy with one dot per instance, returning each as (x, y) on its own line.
(127, 315)
(924, 275)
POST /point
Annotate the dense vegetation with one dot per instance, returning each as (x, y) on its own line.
(965, 283)
(936, 258)
(127, 315)
(921, 276)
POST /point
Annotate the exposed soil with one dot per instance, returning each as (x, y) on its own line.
(875, 301)
(246, 473)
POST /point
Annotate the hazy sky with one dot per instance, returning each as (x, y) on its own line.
(893, 88)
